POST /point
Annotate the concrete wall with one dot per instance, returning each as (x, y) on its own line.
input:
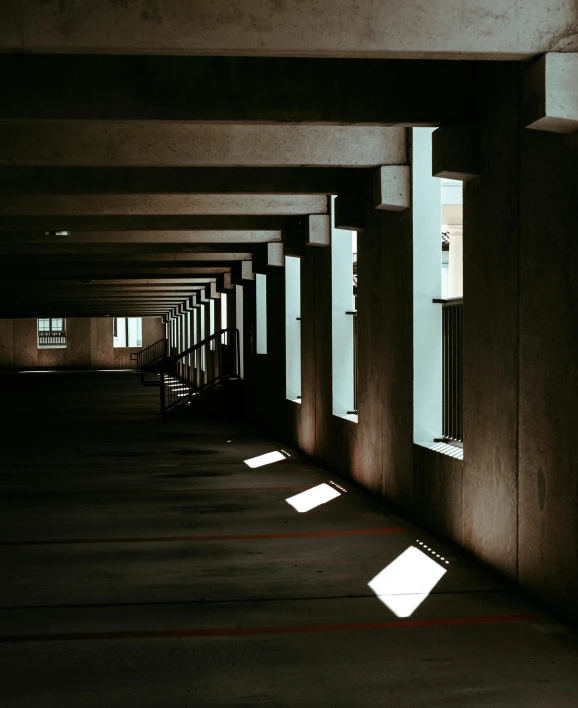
(548, 402)
(512, 501)
(89, 345)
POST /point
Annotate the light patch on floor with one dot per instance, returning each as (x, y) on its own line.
(406, 582)
(310, 498)
(266, 459)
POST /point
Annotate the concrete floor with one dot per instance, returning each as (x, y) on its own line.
(144, 564)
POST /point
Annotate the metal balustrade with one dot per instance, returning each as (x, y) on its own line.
(148, 361)
(452, 373)
(51, 337)
(184, 376)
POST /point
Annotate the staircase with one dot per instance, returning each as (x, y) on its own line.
(149, 362)
(204, 366)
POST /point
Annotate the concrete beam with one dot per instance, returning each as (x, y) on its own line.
(180, 180)
(118, 259)
(550, 93)
(143, 240)
(162, 204)
(349, 213)
(318, 231)
(271, 256)
(72, 144)
(392, 188)
(242, 272)
(213, 292)
(106, 271)
(495, 29)
(456, 152)
(150, 223)
(150, 251)
(225, 283)
(232, 90)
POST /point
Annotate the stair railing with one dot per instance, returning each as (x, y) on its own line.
(151, 354)
(200, 367)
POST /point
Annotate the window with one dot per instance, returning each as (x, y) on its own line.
(224, 337)
(293, 328)
(202, 337)
(261, 293)
(212, 322)
(52, 333)
(189, 344)
(437, 299)
(343, 320)
(127, 331)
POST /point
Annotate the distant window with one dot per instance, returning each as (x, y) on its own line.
(261, 297)
(52, 333)
(127, 332)
(343, 319)
(224, 337)
(293, 328)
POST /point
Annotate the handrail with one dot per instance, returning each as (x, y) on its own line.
(200, 367)
(449, 300)
(151, 354)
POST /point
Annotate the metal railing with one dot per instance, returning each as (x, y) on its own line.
(353, 313)
(149, 360)
(186, 375)
(151, 354)
(46, 338)
(452, 372)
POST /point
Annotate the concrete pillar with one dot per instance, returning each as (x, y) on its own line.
(490, 329)
(548, 339)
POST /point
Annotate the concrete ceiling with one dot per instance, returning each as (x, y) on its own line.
(174, 141)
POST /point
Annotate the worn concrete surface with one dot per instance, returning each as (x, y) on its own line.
(494, 29)
(548, 532)
(181, 144)
(100, 610)
(490, 339)
(167, 204)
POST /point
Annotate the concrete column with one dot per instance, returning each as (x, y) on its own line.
(548, 403)
(490, 329)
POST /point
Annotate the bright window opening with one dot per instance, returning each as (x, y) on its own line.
(407, 581)
(261, 297)
(127, 331)
(195, 335)
(189, 336)
(212, 321)
(224, 319)
(343, 320)
(240, 325)
(52, 333)
(202, 336)
(293, 328)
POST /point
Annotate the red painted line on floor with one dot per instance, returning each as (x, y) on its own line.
(252, 631)
(173, 539)
(167, 490)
